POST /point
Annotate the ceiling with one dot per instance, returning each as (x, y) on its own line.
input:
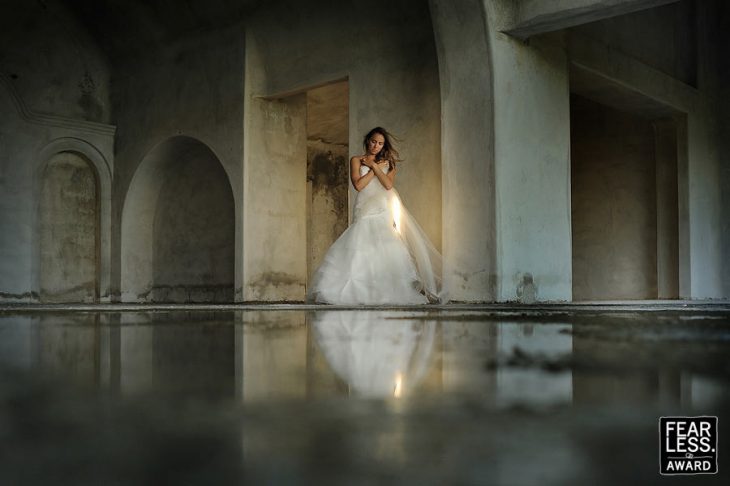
(121, 26)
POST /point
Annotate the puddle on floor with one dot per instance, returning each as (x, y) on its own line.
(352, 396)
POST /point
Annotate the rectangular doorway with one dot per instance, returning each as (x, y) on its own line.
(624, 199)
(328, 169)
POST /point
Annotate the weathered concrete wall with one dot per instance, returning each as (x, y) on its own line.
(53, 62)
(614, 205)
(191, 87)
(390, 62)
(532, 165)
(327, 215)
(723, 106)
(54, 86)
(194, 234)
(68, 230)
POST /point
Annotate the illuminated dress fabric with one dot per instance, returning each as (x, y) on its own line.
(384, 257)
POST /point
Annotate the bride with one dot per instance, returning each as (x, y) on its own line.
(384, 257)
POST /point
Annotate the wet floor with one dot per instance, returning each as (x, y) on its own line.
(387, 396)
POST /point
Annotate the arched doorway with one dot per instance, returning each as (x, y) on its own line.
(178, 227)
(69, 230)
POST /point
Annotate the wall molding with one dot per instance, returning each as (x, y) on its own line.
(33, 117)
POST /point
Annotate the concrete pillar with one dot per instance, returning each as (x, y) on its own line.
(275, 191)
(683, 227)
(665, 143)
(532, 164)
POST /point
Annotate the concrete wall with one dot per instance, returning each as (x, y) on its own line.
(53, 62)
(614, 204)
(192, 87)
(194, 234)
(54, 92)
(723, 106)
(390, 62)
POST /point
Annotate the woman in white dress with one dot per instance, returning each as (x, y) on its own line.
(384, 257)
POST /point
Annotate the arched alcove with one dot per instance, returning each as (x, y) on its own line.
(178, 227)
(68, 230)
(469, 208)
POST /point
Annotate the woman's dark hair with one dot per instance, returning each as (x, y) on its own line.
(388, 151)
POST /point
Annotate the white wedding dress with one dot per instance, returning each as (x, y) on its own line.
(383, 257)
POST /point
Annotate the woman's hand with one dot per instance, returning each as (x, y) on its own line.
(385, 179)
(382, 165)
(367, 163)
(359, 182)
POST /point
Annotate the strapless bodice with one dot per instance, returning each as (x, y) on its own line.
(365, 169)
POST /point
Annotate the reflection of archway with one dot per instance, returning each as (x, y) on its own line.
(178, 227)
(68, 230)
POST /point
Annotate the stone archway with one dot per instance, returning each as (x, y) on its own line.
(178, 227)
(467, 149)
(68, 230)
(86, 171)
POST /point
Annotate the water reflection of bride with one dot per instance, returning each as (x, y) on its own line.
(378, 354)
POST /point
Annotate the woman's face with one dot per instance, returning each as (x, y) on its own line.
(375, 144)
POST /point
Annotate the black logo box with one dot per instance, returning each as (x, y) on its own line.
(688, 445)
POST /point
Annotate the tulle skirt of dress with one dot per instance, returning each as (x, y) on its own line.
(384, 257)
